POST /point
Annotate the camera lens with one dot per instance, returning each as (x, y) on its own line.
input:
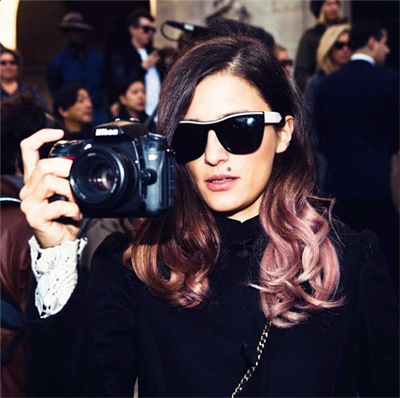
(102, 177)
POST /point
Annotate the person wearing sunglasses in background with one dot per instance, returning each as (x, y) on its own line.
(333, 53)
(10, 82)
(283, 56)
(139, 58)
(246, 287)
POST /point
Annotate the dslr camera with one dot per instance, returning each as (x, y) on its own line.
(123, 171)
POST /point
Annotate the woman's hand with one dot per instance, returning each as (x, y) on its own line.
(44, 178)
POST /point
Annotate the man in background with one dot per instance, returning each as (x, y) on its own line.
(139, 58)
(74, 110)
(78, 64)
(357, 122)
(327, 13)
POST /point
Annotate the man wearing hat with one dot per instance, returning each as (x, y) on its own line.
(327, 13)
(78, 64)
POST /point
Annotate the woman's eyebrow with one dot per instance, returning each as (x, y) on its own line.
(221, 116)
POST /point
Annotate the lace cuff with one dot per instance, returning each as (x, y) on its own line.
(56, 273)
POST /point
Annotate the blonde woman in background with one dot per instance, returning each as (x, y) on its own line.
(333, 52)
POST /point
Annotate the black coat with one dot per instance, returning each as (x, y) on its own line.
(100, 342)
(127, 63)
(305, 65)
(357, 122)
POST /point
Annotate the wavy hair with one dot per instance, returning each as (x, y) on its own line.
(175, 253)
(325, 47)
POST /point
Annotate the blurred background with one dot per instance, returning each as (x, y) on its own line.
(31, 26)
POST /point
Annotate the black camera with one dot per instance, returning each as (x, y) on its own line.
(123, 171)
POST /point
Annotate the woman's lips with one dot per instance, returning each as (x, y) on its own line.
(218, 183)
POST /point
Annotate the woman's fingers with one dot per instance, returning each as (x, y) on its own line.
(43, 190)
(53, 232)
(44, 170)
(31, 145)
(47, 178)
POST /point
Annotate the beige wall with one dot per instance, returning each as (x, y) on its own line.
(285, 19)
(38, 38)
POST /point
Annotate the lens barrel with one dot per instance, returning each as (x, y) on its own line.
(101, 177)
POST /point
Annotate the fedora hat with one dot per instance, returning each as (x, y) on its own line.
(74, 20)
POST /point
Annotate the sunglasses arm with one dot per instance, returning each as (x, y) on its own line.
(272, 117)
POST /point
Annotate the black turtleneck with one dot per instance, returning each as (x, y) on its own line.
(117, 330)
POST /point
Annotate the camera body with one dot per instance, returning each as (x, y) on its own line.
(123, 171)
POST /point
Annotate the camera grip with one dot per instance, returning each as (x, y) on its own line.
(57, 197)
(62, 219)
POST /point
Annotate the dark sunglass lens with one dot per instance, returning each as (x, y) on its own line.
(241, 134)
(189, 142)
(339, 45)
(286, 62)
(7, 63)
(147, 29)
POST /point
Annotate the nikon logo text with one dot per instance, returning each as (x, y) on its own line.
(100, 132)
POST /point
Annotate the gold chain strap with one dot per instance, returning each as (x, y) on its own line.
(250, 371)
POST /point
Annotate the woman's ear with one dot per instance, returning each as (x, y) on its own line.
(285, 135)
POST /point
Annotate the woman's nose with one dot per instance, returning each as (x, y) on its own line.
(214, 152)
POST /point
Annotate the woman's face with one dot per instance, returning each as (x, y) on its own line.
(8, 67)
(340, 53)
(232, 184)
(135, 97)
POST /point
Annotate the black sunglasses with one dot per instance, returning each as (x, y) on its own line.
(147, 29)
(286, 62)
(239, 134)
(340, 45)
(3, 63)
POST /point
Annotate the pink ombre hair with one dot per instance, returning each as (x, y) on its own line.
(175, 253)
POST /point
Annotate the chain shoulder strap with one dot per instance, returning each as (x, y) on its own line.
(250, 371)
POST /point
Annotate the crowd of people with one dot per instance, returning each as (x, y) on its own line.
(277, 271)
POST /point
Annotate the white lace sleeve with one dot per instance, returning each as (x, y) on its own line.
(55, 270)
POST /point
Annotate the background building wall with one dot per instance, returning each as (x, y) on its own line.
(285, 19)
(38, 38)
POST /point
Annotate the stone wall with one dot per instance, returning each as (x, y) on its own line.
(285, 19)
(39, 40)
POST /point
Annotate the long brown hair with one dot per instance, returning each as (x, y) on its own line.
(175, 253)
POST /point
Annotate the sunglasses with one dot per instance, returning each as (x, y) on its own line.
(239, 134)
(3, 63)
(340, 45)
(286, 62)
(147, 29)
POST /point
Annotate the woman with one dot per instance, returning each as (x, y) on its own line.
(283, 56)
(244, 287)
(132, 100)
(10, 82)
(333, 52)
